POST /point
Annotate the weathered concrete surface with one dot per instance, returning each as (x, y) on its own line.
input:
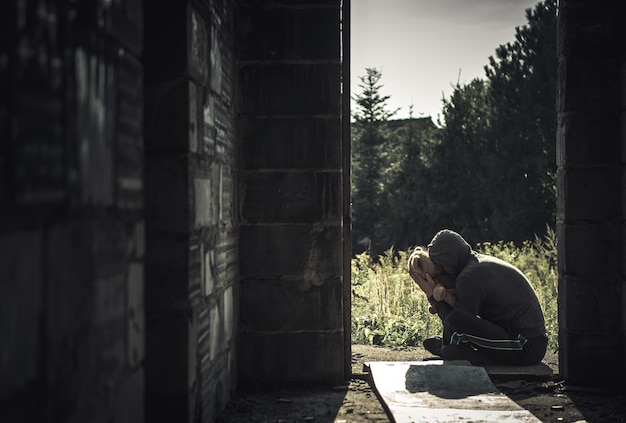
(590, 157)
(537, 371)
(191, 218)
(440, 391)
(291, 245)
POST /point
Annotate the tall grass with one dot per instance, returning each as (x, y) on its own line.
(388, 308)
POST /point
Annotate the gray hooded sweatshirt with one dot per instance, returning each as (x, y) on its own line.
(488, 287)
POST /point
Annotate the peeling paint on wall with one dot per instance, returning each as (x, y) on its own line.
(198, 46)
(216, 60)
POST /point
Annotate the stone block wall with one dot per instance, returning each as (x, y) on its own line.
(191, 192)
(591, 160)
(71, 211)
(144, 149)
(291, 247)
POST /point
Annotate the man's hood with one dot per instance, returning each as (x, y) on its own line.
(449, 250)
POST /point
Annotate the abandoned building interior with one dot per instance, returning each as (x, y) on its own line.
(175, 202)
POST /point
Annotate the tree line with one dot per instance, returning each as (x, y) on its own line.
(486, 168)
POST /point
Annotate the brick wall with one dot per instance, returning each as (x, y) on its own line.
(191, 229)
(138, 164)
(591, 162)
(291, 191)
(71, 225)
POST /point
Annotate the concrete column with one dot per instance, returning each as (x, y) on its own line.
(191, 227)
(71, 207)
(291, 250)
(590, 187)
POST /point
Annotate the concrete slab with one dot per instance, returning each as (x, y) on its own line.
(535, 372)
(440, 391)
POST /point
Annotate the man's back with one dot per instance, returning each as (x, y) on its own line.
(499, 292)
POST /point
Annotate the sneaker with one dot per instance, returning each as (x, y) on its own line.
(433, 345)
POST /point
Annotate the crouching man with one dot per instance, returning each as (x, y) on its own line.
(489, 310)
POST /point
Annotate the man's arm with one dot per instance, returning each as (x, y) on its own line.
(440, 293)
(441, 308)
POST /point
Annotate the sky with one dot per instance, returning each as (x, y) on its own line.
(423, 47)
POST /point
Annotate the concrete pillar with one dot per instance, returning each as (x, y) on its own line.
(291, 249)
(590, 187)
(191, 227)
(71, 207)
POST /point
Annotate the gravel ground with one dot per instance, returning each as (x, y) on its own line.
(355, 401)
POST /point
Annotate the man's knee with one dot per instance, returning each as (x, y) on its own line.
(455, 318)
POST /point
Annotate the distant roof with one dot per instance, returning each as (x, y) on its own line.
(420, 123)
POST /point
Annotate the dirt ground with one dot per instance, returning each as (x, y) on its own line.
(355, 401)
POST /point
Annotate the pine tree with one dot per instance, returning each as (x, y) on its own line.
(492, 177)
(369, 136)
(406, 221)
(522, 81)
(459, 175)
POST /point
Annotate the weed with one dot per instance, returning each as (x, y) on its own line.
(388, 308)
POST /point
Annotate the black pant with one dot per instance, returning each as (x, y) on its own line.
(495, 342)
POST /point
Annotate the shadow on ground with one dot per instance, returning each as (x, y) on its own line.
(356, 401)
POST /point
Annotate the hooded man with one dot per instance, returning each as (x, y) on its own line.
(495, 316)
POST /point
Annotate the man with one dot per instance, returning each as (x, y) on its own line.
(492, 316)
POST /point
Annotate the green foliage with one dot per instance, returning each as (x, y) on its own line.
(405, 218)
(368, 157)
(388, 308)
(522, 92)
(461, 171)
(372, 105)
(486, 170)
